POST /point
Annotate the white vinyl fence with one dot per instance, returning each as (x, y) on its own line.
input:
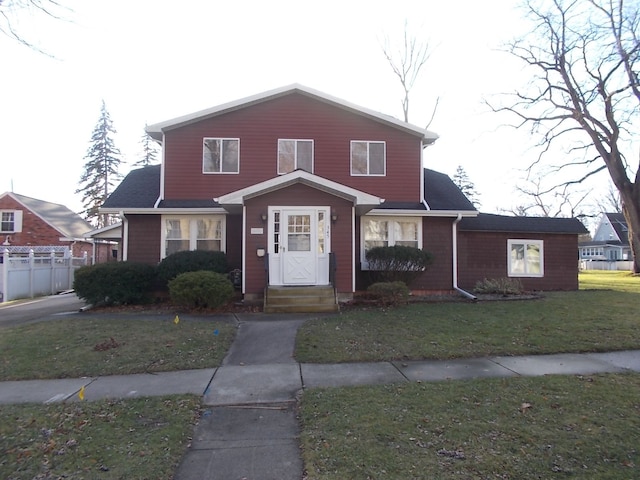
(30, 273)
(606, 265)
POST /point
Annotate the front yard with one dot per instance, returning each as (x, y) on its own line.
(525, 428)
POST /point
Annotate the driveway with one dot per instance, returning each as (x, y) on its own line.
(39, 309)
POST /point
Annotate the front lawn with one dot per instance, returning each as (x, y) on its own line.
(85, 346)
(141, 438)
(603, 316)
(515, 428)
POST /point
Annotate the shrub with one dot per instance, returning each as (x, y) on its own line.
(389, 293)
(203, 289)
(114, 283)
(500, 286)
(397, 264)
(191, 261)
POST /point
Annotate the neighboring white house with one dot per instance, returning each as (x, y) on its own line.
(610, 242)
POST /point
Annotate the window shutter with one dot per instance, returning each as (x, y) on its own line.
(17, 221)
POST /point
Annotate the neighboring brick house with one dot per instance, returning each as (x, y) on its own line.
(295, 186)
(28, 222)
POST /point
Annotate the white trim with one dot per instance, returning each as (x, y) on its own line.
(167, 211)
(421, 213)
(525, 242)
(244, 249)
(162, 163)
(157, 130)
(358, 197)
(353, 249)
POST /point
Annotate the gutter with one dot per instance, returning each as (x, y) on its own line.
(454, 244)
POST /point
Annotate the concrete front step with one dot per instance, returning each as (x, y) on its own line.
(304, 299)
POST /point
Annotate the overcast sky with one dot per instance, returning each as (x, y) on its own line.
(153, 60)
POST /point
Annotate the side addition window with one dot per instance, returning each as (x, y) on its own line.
(221, 155)
(193, 233)
(368, 158)
(525, 258)
(294, 154)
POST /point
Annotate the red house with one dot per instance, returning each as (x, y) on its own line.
(295, 185)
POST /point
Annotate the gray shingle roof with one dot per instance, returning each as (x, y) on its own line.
(619, 224)
(139, 189)
(501, 223)
(442, 194)
(68, 223)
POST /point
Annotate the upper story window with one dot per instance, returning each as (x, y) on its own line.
(294, 154)
(525, 258)
(221, 155)
(10, 221)
(368, 158)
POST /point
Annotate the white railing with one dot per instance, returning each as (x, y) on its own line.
(36, 275)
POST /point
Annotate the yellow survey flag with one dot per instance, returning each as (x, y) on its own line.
(81, 393)
(176, 320)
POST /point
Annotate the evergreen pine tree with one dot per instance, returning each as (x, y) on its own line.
(149, 154)
(100, 170)
(462, 181)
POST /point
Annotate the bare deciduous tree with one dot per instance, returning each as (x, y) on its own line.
(407, 63)
(585, 90)
(11, 10)
(549, 202)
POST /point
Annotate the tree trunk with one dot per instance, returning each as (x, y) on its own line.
(631, 210)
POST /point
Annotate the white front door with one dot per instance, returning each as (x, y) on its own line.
(298, 245)
(299, 260)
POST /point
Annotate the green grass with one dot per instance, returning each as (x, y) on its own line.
(517, 428)
(109, 440)
(92, 346)
(604, 316)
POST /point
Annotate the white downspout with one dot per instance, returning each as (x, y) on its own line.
(454, 243)
(125, 236)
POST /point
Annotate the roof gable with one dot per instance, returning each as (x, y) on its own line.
(157, 130)
(59, 217)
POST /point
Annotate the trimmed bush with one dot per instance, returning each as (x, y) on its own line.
(389, 293)
(203, 289)
(398, 263)
(191, 261)
(114, 283)
(499, 286)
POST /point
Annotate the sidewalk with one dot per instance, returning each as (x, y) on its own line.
(249, 429)
(280, 382)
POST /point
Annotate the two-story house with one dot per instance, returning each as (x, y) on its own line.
(610, 241)
(295, 186)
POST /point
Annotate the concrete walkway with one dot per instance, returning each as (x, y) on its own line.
(249, 429)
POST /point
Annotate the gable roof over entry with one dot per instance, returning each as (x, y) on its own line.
(363, 201)
(157, 130)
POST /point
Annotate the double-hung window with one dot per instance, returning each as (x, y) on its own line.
(389, 231)
(295, 154)
(10, 221)
(221, 155)
(525, 258)
(368, 158)
(193, 233)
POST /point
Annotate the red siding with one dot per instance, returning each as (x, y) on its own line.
(484, 255)
(298, 195)
(294, 116)
(144, 238)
